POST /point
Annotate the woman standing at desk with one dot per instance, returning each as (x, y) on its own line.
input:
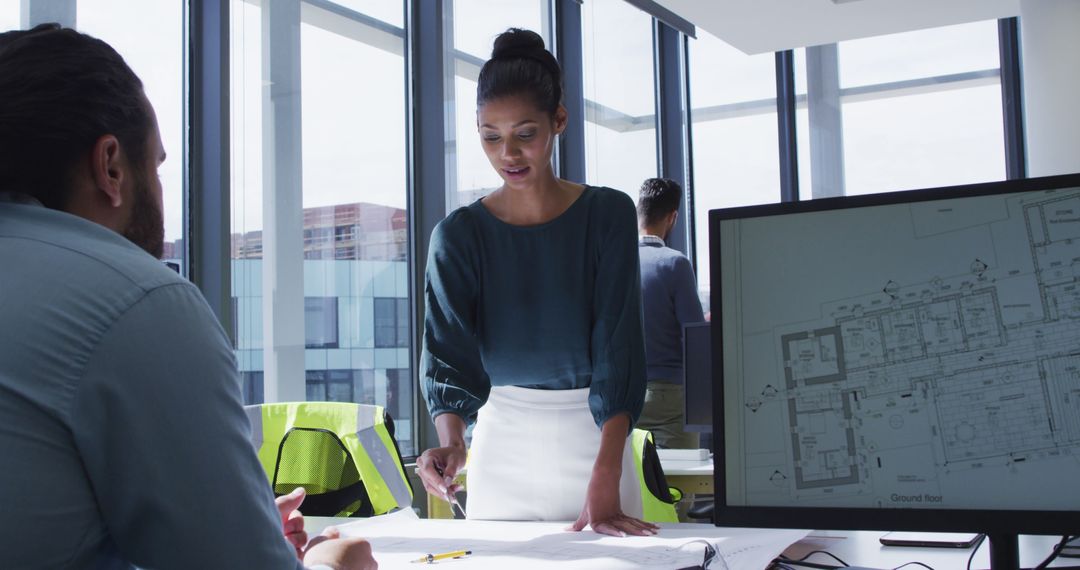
(534, 321)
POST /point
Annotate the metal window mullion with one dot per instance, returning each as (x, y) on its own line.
(207, 177)
(426, 174)
(786, 124)
(826, 121)
(1012, 104)
(34, 12)
(671, 125)
(283, 216)
(568, 49)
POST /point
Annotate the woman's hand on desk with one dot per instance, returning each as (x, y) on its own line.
(603, 512)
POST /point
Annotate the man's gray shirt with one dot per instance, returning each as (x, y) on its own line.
(669, 300)
(122, 435)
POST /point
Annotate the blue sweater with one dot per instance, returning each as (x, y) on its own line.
(669, 295)
(552, 306)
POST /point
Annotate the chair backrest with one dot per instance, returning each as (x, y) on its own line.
(343, 454)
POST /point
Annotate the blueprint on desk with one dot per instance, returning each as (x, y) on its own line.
(909, 355)
(400, 538)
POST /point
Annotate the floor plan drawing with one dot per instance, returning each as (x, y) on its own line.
(901, 395)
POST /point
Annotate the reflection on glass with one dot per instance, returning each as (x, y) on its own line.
(472, 26)
(735, 150)
(352, 141)
(942, 126)
(620, 99)
(149, 35)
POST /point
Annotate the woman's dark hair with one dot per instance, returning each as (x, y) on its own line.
(60, 91)
(520, 65)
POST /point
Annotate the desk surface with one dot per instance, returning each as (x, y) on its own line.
(856, 547)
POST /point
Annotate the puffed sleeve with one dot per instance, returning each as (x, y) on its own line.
(452, 373)
(618, 338)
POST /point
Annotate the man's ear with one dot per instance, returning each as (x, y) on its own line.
(108, 166)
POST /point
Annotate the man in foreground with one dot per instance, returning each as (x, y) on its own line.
(122, 433)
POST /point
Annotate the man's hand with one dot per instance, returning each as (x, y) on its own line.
(292, 522)
(331, 550)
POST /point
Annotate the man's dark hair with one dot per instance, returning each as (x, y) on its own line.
(520, 65)
(658, 198)
(60, 91)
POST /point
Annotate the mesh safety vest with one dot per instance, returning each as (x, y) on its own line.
(657, 499)
(343, 454)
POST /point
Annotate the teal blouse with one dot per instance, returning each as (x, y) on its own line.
(554, 306)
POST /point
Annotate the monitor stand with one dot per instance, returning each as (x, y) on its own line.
(1004, 551)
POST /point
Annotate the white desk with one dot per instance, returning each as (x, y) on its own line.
(856, 547)
(399, 539)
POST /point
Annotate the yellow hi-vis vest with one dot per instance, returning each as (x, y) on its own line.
(657, 499)
(343, 454)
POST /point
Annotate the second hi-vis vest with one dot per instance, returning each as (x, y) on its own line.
(657, 499)
(343, 454)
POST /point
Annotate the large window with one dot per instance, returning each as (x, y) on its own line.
(909, 110)
(620, 95)
(10, 15)
(735, 151)
(471, 27)
(150, 37)
(318, 200)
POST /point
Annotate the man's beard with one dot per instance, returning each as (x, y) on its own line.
(146, 228)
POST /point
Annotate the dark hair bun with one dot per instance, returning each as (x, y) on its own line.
(516, 42)
(520, 65)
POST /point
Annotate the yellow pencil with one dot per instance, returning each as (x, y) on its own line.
(433, 557)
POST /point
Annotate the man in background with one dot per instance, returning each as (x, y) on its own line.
(122, 434)
(669, 298)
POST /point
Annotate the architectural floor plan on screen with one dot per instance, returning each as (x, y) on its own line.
(937, 389)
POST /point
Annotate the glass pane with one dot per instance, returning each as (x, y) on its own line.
(923, 53)
(150, 37)
(735, 150)
(353, 198)
(934, 139)
(10, 16)
(475, 24)
(390, 12)
(946, 131)
(620, 100)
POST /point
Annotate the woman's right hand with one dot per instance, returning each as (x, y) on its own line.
(437, 468)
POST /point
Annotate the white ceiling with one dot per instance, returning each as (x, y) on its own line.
(760, 26)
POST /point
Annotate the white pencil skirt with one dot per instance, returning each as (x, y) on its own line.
(532, 456)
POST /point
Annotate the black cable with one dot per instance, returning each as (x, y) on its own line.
(1054, 553)
(817, 565)
(913, 564)
(813, 552)
(982, 539)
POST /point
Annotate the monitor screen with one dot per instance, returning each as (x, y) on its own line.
(882, 357)
(697, 383)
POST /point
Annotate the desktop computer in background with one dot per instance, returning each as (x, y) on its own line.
(904, 361)
(698, 379)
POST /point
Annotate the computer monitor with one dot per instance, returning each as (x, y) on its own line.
(902, 361)
(697, 378)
